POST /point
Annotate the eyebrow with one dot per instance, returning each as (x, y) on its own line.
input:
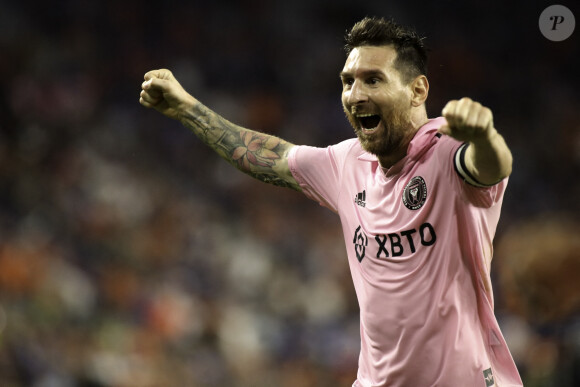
(363, 73)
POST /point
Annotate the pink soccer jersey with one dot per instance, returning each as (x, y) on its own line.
(419, 243)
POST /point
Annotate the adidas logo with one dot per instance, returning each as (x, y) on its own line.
(361, 198)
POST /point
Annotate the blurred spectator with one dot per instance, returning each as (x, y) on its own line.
(131, 256)
(538, 261)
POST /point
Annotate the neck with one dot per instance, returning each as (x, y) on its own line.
(417, 120)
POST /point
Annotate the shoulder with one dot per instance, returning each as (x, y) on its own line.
(342, 150)
(351, 145)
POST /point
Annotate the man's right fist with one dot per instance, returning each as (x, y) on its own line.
(162, 92)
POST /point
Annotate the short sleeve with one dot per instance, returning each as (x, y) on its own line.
(318, 171)
(450, 153)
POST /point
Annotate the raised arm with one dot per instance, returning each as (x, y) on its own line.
(259, 155)
(487, 158)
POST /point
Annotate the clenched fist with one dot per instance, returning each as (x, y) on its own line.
(467, 120)
(162, 92)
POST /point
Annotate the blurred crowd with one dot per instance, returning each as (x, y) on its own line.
(131, 255)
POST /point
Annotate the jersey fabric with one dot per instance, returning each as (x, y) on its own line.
(419, 242)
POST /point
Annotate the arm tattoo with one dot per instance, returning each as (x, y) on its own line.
(256, 154)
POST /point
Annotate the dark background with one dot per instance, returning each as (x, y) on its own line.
(131, 255)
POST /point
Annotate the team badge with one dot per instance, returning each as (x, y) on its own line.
(415, 193)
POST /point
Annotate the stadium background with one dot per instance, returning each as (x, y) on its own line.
(131, 255)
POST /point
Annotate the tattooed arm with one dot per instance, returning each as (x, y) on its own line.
(259, 155)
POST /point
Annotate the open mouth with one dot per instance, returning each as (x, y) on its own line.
(369, 122)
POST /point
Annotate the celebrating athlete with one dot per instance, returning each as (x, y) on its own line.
(419, 200)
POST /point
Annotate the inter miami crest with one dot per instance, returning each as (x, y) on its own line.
(415, 193)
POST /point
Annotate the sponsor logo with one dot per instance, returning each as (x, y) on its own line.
(415, 193)
(395, 244)
(361, 242)
(488, 377)
(360, 198)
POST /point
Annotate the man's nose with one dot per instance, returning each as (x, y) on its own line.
(356, 94)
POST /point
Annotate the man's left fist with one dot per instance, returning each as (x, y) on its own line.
(467, 120)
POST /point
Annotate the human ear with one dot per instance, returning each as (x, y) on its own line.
(419, 90)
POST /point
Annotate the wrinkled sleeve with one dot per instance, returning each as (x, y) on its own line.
(318, 172)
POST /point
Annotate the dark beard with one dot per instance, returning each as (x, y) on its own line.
(390, 138)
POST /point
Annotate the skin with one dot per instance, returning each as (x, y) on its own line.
(259, 155)
(488, 157)
(371, 85)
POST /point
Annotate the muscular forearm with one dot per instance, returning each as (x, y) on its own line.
(489, 159)
(259, 155)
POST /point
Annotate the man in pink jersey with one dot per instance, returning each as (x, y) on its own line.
(419, 200)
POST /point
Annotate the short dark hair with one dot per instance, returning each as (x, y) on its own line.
(411, 58)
